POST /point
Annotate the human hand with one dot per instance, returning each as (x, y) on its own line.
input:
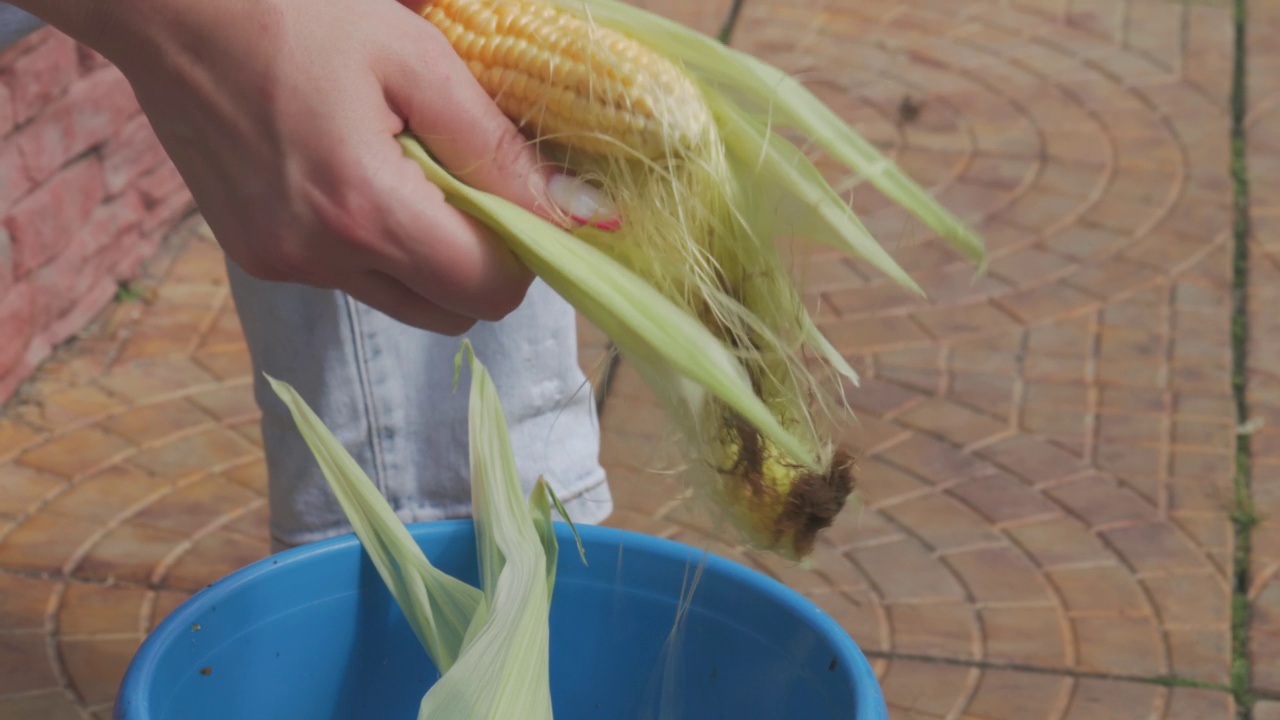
(281, 116)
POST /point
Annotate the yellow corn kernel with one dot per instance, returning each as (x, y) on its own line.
(568, 81)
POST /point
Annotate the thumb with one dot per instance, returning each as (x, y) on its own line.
(443, 104)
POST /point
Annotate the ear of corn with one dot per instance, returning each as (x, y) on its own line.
(544, 70)
(680, 132)
(491, 644)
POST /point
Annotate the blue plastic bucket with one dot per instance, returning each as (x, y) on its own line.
(312, 634)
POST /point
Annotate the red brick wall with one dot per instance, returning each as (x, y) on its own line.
(86, 194)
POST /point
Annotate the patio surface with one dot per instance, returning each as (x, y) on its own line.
(1047, 453)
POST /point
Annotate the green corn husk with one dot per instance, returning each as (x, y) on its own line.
(693, 289)
(491, 644)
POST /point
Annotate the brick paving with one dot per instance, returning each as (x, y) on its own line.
(1264, 357)
(1046, 451)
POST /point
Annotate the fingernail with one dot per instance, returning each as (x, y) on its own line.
(583, 202)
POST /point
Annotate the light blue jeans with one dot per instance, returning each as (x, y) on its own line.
(385, 390)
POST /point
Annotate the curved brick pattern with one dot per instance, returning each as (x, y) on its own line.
(1264, 345)
(131, 480)
(929, 691)
(1014, 553)
(1045, 451)
(1051, 444)
(1084, 186)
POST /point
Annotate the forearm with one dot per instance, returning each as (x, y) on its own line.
(115, 28)
(77, 18)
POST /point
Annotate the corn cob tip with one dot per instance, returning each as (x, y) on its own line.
(781, 506)
(813, 502)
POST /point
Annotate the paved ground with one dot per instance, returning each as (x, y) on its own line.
(1048, 453)
(1263, 127)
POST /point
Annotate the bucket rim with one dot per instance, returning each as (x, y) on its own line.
(133, 699)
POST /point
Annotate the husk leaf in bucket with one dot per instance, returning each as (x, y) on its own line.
(491, 643)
